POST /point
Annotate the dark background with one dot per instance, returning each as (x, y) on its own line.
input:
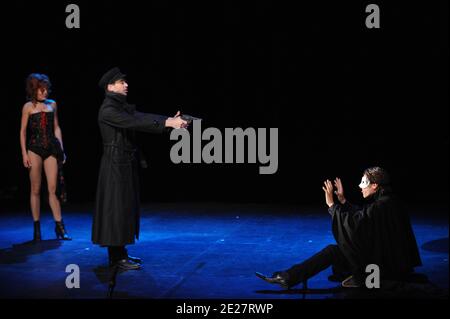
(344, 97)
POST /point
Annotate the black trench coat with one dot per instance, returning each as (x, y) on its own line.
(380, 233)
(116, 216)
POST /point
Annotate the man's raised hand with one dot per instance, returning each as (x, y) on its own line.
(328, 189)
(339, 190)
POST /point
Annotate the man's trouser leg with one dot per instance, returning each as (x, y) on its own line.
(329, 256)
(116, 253)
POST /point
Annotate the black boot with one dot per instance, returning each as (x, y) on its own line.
(61, 231)
(135, 259)
(37, 231)
(126, 264)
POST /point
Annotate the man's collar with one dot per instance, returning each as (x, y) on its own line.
(116, 96)
(122, 99)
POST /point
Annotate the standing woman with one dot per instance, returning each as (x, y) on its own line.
(41, 144)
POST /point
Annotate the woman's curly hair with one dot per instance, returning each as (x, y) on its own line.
(36, 81)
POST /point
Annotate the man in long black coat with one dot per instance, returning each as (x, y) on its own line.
(116, 218)
(380, 233)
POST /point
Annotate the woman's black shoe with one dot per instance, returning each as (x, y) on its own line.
(61, 231)
(37, 231)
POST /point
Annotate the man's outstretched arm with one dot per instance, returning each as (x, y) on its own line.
(145, 122)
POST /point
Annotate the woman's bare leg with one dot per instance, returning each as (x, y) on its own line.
(51, 172)
(35, 173)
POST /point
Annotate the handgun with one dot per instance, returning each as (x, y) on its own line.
(189, 118)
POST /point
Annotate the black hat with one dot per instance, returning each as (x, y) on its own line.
(110, 77)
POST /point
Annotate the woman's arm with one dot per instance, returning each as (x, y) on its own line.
(57, 128)
(23, 134)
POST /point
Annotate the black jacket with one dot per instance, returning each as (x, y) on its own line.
(380, 233)
(116, 216)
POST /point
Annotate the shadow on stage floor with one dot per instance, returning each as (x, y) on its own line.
(19, 253)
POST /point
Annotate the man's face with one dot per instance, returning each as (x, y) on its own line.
(120, 87)
(367, 188)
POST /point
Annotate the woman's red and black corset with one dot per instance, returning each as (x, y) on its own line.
(41, 131)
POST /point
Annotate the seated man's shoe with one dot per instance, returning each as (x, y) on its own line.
(126, 264)
(135, 259)
(338, 277)
(278, 278)
(350, 282)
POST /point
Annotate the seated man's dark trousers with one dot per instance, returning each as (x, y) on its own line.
(329, 256)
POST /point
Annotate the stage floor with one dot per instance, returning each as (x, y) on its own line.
(195, 251)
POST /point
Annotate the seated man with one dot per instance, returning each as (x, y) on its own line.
(380, 233)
